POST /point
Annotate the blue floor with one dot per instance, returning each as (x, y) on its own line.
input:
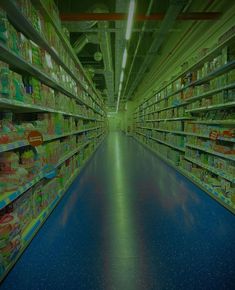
(130, 222)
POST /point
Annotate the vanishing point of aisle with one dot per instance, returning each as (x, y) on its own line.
(130, 222)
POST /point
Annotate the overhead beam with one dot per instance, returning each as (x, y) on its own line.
(74, 28)
(139, 17)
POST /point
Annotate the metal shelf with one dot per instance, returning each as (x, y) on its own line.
(166, 131)
(23, 143)
(21, 22)
(219, 71)
(212, 169)
(168, 144)
(37, 223)
(189, 134)
(163, 142)
(42, 7)
(208, 137)
(9, 197)
(226, 156)
(212, 107)
(214, 122)
(196, 65)
(163, 109)
(13, 104)
(169, 119)
(17, 62)
(205, 187)
(209, 93)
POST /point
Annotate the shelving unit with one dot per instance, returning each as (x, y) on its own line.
(189, 134)
(37, 223)
(42, 7)
(204, 186)
(57, 102)
(22, 24)
(189, 123)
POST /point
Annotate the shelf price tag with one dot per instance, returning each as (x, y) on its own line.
(49, 171)
(35, 138)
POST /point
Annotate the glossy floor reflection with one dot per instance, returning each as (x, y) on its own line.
(130, 222)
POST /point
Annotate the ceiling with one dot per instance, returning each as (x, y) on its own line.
(108, 37)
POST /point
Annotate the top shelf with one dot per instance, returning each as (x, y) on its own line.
(43, 9)
(196, 65)
(23, 24)
(219, 71)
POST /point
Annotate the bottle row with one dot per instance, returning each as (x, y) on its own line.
(222, 97)
(222, 165)
(213, 84)
(187, 127)
(32, 53)
(186, 91)
(41, 59)
(16, 127)
(219, 131)
(40, 22)
(24, 164)
(219, 146)
(171, 139)
(29, 90)
(177, 112)
(222, 187)
(18, 217)
(215, 145)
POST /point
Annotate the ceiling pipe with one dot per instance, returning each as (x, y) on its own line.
(171, 15)
(103, 38)
(185, 35)
(73, 28)
(138, 44)
(105, 46)
(121, 6)
(81, 42)
(123, 16)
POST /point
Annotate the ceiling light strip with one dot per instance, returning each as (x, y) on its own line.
(127, 37)
(130, 19)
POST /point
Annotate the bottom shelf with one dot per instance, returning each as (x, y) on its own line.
(37, 223)
(205, 187)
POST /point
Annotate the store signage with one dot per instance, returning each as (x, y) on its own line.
(35, 138)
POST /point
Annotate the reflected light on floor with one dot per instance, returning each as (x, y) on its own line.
(122, 241)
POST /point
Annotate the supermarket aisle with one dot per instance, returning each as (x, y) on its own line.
(130, 222)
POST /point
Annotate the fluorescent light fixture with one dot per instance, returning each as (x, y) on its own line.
(117, 104)
(119, 94)
(124, 59)
(122, 77)
(110, 114)
(120, 88)
(130, 19)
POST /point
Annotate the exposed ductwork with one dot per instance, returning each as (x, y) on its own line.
(143, 30)
(81, 42)
(103, 38)
(105, 47)
(173, 11)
